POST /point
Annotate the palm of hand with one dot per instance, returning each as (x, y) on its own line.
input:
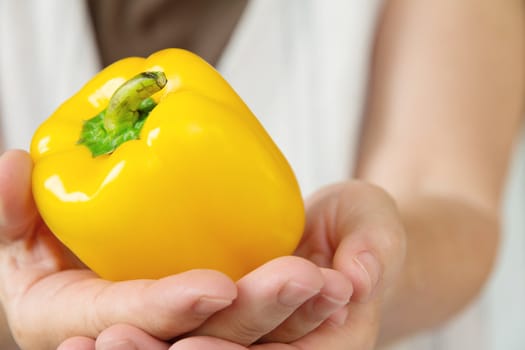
(49, 296)
(355, 229)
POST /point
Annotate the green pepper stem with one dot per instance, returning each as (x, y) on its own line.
(125, 115)
(122, 111)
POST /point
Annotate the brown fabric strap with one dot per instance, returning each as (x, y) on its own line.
(140, 27)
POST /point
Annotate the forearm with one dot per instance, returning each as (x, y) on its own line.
(451, 245)
(445, 103)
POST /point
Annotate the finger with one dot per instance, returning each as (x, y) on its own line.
(334, 296)
(170, 306)
(86, 305)
(77, 343)
(29, 251)
(355, 228)
(124, 336)
(267, 297)
(357, 330)
(371, 239)
(17, 208)
(208, 343)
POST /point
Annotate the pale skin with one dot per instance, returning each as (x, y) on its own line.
(407, 252)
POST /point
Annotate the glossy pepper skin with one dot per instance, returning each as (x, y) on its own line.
(203, 186)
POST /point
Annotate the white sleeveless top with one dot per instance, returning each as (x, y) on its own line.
(302, 66)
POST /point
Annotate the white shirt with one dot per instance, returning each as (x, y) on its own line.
(302, 67)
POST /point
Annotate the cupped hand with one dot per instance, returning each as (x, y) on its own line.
(355, 234)
(49, 296)
(283, 299)
(352, 228)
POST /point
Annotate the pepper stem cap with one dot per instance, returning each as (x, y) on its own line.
(125, 114)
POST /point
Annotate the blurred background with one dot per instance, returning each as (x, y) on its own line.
(505, 294)
(502, 301)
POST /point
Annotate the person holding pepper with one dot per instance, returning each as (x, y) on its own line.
(399, 235)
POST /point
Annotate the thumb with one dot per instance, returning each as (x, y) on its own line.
(17, 208)
(371, 239)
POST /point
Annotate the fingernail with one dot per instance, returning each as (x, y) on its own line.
(325, 306)
(334, 301)
(208, 305)
(339, 317)
(120, 345)
(369, 264)
(293, 294)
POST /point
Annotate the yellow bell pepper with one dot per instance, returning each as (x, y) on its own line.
(156, 166)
